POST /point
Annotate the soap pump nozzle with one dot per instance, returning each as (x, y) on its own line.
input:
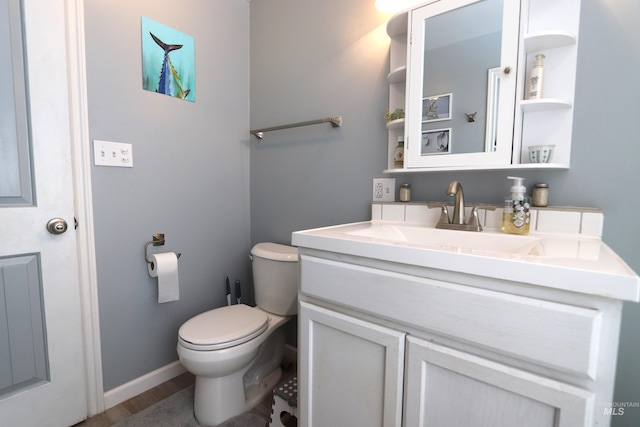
(518, 190)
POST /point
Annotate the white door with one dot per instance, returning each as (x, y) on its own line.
(42, 379)
(350, 371)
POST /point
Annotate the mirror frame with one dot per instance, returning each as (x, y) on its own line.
(505, 115)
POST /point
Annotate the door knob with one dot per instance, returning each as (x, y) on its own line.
(57, 226)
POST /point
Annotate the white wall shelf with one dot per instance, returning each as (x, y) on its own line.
(552, 29)
(395, 124)
(398, 75)
(548, 40)
(397, 31)
(397, 25)
(544, 104)
(519, 166)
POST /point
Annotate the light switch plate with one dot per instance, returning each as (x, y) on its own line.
(115, 154)
(384, 189)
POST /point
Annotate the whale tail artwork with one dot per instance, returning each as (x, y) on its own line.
(169, 83)
(169, 70)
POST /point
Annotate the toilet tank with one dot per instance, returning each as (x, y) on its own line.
(275, 277)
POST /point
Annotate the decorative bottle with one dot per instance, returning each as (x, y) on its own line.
(536, 78)
(515, 217)
(398, 157)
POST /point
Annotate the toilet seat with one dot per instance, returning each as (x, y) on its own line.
(223, 327)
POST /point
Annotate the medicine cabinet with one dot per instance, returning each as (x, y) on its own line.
(459, 70)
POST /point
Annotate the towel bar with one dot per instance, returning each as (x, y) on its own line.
(335, 121)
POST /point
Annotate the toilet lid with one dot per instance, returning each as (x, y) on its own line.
(223, 327)
(275, 252)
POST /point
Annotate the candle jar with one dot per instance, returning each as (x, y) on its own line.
(405, 193)
(540, 195)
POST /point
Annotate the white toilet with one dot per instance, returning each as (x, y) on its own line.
(235, 351)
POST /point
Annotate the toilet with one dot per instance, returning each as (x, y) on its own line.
(235, 351)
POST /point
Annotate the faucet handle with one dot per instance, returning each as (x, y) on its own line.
(444, 216)
(474, 220)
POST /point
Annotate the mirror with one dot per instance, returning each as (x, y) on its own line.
(460, 47)
(457, 90)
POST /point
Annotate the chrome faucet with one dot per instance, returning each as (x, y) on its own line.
(458, 221)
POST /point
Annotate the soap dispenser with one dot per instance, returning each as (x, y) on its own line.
(515, 217)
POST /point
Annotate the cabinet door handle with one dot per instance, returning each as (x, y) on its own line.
(507, 70)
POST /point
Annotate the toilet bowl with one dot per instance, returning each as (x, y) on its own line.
(235, 351)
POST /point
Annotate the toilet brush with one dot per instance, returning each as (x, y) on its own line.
(238, 293)
(228, 290)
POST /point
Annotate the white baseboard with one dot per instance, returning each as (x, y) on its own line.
(141, 384)
(148, 381)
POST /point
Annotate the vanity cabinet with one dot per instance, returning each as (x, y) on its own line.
(389, 344)
(487, 123)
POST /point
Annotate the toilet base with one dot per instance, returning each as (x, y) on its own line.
(211, 412)
(233, 380)
(216, 399)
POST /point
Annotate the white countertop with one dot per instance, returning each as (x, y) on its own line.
(577, 264)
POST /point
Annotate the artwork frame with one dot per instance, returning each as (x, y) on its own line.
(435, 141)
(437, 108)
(168, 61)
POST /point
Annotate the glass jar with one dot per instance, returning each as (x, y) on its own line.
(540, 195)
(405, 193)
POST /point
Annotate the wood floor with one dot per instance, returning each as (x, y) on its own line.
(153, 396)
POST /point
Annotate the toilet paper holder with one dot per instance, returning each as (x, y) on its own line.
(158, 240)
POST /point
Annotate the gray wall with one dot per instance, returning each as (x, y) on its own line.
(314, 59)
(311, 59)
(190, 178)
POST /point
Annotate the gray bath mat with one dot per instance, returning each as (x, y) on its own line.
(177, 411)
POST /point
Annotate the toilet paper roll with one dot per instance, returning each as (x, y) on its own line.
(164, 266)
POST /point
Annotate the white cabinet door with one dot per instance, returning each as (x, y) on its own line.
(350, 371)
(449, 76)
(450, 388)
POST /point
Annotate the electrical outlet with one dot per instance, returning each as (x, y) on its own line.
(384, 189)
(377, 191)
(116, 154)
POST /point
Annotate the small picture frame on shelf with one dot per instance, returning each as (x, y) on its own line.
(436, 141)
(436, 108)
